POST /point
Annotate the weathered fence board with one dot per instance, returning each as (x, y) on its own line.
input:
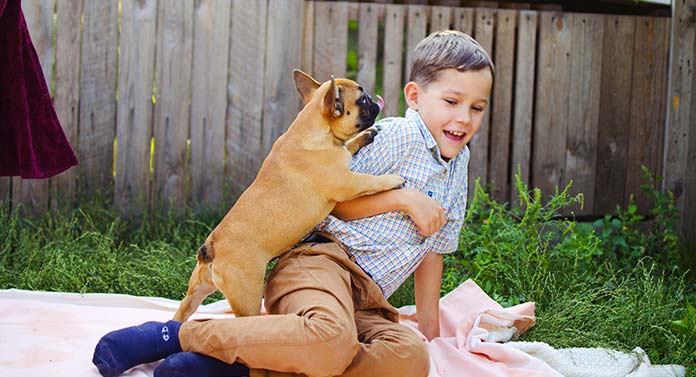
(614, 110)
(680, 138)
(209, 100)
(575, 96)
(280, 99)
(66, 94)
(244, 107)
(523, 99)
(417, 24)
(172, 116)
(367, 46)
(440, 18)
(583, 107)
(647, 106)
(479, 144)
(32, 194)
(393, 53)
(501, 109)
(39, 18)
(98, 98)
(464, 20)
(5, 193)
(330, 39)
(134, 114)
(307, 64)
(551, 102)
(687, 109)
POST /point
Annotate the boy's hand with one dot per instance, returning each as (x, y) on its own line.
(425, 211)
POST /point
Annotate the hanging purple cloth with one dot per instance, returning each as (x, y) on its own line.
(32, 141)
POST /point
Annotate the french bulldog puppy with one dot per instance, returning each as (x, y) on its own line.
(305, 174)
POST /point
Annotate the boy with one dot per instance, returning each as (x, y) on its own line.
(327, 297)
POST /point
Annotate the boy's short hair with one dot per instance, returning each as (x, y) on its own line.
(447, 49)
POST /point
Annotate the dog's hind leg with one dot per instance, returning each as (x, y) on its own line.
(200, 286)
(243, 287)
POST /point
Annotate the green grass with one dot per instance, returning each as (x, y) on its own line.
(93, 250)
(620, 282)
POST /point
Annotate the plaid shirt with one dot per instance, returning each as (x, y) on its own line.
(388, 246)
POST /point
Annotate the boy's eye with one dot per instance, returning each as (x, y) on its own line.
(451, 102)
(478, 109)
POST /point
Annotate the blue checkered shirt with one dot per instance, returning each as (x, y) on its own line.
(388, 246)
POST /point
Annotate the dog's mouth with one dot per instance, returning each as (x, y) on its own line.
(369, 110)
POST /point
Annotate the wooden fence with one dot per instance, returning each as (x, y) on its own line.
(186, 111)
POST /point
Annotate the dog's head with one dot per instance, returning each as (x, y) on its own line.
(344, 105)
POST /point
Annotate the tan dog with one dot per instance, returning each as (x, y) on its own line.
(304, 176)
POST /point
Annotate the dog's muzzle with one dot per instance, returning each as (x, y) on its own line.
(369, 110)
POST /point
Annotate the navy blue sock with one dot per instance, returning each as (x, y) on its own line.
(189, 364)
(123, 349)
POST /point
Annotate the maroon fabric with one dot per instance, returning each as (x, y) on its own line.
(32, 141)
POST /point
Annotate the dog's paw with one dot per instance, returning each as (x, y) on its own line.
(369, 135)
(394, 181)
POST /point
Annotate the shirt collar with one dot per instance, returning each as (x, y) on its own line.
(428, 137)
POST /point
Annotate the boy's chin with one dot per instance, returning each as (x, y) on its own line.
(450, 153)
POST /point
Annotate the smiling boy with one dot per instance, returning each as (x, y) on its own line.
(447, 93)
(328, 296)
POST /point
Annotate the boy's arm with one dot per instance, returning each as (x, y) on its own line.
(426, 213)
(428, 279)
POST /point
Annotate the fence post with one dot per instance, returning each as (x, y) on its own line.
(32, 194)
(66, 93)
(680, 138)
(134, 113)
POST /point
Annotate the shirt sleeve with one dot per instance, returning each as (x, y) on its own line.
(446, 241)
(392, 144)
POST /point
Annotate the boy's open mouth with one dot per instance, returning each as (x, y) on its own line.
(455, 135)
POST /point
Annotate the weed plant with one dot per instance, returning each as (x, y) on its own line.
(620, 282)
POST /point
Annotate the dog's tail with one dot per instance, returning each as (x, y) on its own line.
(206, 254)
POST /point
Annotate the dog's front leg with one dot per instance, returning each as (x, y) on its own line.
(362, 139)
(355, 185)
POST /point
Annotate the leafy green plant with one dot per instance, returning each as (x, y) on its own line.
(589, 289)
(628, 236)
(686, 325)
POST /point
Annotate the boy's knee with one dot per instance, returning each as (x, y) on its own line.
(340, 357)
(334, 354)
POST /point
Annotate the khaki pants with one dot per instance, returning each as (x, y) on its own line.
(327, 317)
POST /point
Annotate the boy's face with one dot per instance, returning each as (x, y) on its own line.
(452, 106)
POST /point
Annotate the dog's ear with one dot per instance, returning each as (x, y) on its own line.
(305, 84)
(333, 100)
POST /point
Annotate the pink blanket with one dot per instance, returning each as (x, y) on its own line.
(53, 334)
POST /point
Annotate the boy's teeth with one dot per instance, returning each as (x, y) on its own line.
(456, 133)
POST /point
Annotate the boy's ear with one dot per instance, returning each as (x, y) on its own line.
(411, 94)
(305, 84)
(333, 100)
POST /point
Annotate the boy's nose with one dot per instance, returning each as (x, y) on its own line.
(464, 117)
